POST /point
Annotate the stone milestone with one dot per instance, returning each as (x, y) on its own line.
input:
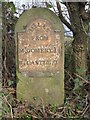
(40, 57)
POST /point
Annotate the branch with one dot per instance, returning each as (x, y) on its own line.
(9, 106)
(62, 18)
(85, 81)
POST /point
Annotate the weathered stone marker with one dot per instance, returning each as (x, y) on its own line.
(40, 57)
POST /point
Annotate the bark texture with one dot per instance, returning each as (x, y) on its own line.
(79, 20)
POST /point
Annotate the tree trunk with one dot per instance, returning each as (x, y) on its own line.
(80, 53)
(80, 27)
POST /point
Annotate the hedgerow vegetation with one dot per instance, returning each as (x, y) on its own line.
(77, 88)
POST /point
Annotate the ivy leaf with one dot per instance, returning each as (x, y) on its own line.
(81, 71)
(12, 6)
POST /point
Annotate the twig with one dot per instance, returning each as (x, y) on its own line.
(69, 74)
(43, 107)
(62, 18)
(82, 78)
(84, 27)
(84, 111)
(5, 66)
(86, 107)
(31, 114)
(9, 106)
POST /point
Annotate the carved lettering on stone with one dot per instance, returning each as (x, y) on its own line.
(39, 48)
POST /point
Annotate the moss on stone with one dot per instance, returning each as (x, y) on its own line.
(37, 90)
